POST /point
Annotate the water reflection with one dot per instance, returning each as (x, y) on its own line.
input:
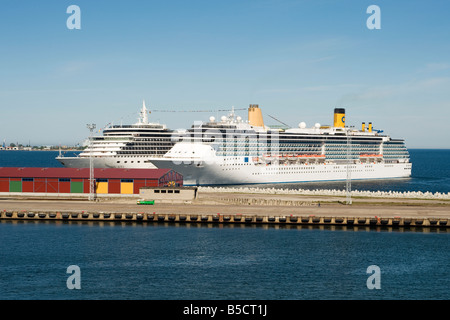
(210, 225)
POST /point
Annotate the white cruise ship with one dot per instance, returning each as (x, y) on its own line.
(232, 151)
(125, 146)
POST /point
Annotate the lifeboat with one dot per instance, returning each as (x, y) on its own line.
(364, 155)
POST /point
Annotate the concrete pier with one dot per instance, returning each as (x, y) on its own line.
(248, 209)
(224, 218)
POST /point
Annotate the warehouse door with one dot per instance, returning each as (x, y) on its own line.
(126, 186)
(101, 186)
(76, 187)
(15, 186)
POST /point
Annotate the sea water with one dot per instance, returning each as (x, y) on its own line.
(190, 261)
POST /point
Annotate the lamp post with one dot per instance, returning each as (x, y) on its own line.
(91, 128)
(348, 185)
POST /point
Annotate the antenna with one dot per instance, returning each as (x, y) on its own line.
(144, 115)
(279, 121)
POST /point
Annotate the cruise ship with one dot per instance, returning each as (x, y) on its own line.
(125, 146)
(232, 151)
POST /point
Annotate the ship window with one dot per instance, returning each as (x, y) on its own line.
(155, 191)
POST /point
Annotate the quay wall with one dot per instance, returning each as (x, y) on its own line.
(27, 215)
(234, 206)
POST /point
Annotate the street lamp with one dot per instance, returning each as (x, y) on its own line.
(91, 128)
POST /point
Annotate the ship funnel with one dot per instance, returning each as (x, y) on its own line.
(363, 127)
(370, 126)
(255, 116)
(339, 117)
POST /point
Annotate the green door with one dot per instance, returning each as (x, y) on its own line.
(76, 187)
(15, 186)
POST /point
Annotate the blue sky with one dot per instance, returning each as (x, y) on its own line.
(297, 59)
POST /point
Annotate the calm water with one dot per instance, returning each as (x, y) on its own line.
(179, 262)
(185, 262)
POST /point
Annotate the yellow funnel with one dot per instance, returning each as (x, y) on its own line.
(255, 116)
(370, 126)
(339, 117)
(363, 127)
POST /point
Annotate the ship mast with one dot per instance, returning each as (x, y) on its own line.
(144, 115)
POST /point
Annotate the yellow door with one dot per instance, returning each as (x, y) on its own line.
(101, 187)
(126, 187)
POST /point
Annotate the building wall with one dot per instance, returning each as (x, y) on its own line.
(40, 185)
(4, 184)
(27, 185)
(81, 185)
(114, 186)
(168, 194)
(52, 185)
(65, 185)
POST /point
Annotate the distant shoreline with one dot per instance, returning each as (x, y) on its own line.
(83, 149)
(56, 150)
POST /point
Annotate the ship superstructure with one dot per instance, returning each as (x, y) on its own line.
(233, 151)
(125, 146)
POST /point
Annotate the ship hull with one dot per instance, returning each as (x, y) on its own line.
(105, 162)
(202, 174)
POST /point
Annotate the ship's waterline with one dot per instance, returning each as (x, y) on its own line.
(224, 173)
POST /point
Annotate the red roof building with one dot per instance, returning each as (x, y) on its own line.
(76, 180)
